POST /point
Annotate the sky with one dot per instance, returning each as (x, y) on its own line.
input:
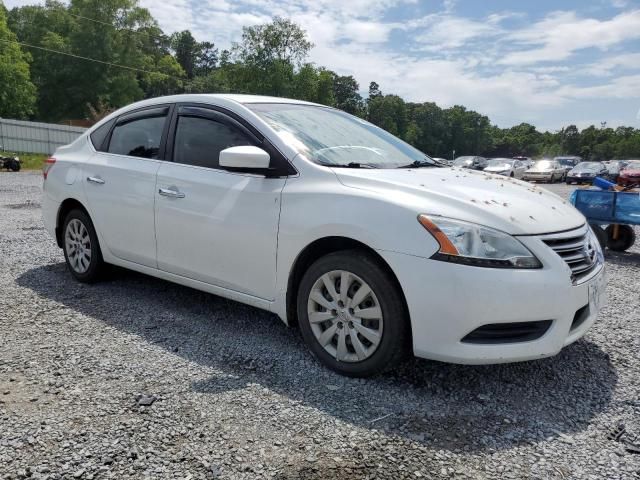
(549, 63)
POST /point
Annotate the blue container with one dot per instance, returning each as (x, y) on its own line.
(604, 207)
(628, 208)
(602, 183)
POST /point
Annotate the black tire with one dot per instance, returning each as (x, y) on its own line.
(512, 175)
(96, 264)
(14, 165)
(394, 344)
(601, 235)
(625, 239)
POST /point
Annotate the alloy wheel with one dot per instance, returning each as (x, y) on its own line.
(345, 316)
(78, 246)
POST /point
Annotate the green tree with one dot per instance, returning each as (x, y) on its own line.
(428, 129)
(390, 113)
(280, 40)
(17, 93)
(346, 95)
(185, 48)
(374, 90)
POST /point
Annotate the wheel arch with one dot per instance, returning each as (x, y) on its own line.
(323, 246)
(65, 207)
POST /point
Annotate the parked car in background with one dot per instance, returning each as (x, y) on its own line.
(506, 166)
(630, 174)
(613, 169)
(568, 163)
(471, 161)
(443, 161)
(545, 171)
(335, 225)
(526, 161)
(585, 172)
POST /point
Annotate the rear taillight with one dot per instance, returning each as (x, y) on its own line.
(47, 166)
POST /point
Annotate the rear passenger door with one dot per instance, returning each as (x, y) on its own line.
(119, 182)
(215, 225)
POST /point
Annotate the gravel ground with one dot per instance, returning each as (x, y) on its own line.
(139, 378)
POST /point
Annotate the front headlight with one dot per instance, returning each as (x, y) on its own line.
(471, 244)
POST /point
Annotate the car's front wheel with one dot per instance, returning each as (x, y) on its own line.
(81, 249)
(352, 315)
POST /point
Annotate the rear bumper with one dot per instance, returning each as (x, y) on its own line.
(447, 302)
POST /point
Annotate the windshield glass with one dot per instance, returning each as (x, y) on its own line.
(587, 167)
(461, 161)
(635, 164)
(500, 162)
(567, 162)
(543, 165)
(334, 138)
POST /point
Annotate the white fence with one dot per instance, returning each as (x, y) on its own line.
(35, 137)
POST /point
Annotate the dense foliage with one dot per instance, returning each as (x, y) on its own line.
(270, 59)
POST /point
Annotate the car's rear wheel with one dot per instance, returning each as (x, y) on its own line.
(81, 249)
(352, 315)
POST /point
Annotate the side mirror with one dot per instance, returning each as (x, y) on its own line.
(245, 157)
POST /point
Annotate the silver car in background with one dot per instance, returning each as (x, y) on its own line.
(506, 166)
(545, 171)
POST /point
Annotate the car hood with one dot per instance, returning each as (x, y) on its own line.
(499, 202)
(630, 172)
(497, 169)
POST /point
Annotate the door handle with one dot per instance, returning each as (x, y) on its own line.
(97, 180)
(168, 192)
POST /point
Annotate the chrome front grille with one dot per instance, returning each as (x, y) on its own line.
(577, 249)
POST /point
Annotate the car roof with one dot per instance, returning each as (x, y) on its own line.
(228, 97)
(228, 100)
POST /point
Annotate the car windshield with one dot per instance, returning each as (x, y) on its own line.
(500, 162)
(334, 138)
(567, 162)
(635, 164)
(543, 165)
(587, 167)
(461, 161)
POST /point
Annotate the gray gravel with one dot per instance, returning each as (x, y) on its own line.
(139, 378)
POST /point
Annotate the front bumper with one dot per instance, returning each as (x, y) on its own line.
(627, 181)
(447, 301)
(571, 179)
(538, 177)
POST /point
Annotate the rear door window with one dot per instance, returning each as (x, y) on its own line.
(139, 135)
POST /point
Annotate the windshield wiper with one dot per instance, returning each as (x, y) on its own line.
(420, 164)
(349, 165)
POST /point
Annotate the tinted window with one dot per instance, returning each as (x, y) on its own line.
(99, 134)
(199, 141)
(138, 138)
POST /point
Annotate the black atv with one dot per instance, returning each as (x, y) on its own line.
(10, 163)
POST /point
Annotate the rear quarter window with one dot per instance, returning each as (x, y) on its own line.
(99, 135)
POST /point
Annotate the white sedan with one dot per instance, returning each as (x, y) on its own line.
(366, 244)
(506, 166)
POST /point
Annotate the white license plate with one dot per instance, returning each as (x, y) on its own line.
(597, 293)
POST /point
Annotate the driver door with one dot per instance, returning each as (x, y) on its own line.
(213, 225)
